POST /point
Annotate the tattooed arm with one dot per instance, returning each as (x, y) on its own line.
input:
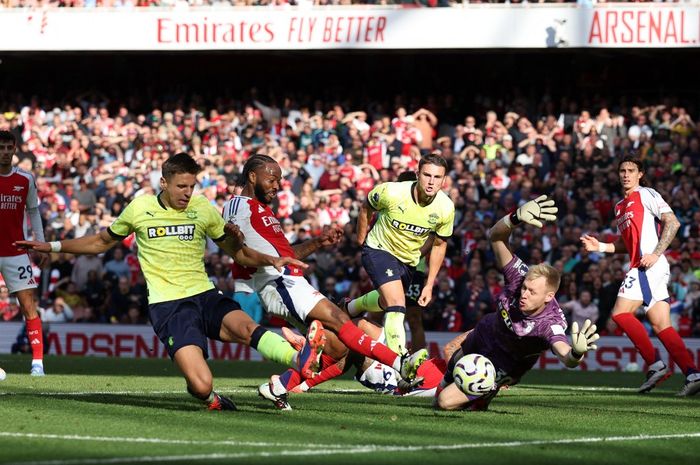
(668, 232)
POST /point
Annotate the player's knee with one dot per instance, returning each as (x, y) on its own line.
(443, 402)
(200, 386)
(248, 329)
(660, 326)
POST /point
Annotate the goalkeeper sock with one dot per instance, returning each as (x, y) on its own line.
(638, 335)
(676, 347)
(366, 303)
(273, 347)
(394, 329)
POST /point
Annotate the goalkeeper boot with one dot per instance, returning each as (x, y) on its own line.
(691, 386)
(309, 358)
(658, 372)
(220, 402)
(275, 393)
(410, 364)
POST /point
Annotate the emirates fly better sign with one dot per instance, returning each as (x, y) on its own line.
(463, 27)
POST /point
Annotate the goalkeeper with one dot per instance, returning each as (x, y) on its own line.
(528, 319)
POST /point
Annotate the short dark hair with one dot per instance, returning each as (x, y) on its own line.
(253, 163)
(407, 176)
(7, 136)
(178, 164)
(432, 159)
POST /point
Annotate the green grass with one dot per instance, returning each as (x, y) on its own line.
(99, 410)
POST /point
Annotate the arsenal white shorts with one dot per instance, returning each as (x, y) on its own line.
(290, 297)
(647, 285)
(17, 273)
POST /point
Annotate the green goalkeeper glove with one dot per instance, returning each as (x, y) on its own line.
(535, 212)
(582, 341)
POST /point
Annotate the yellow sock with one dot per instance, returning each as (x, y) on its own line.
(366, 303)
(394, 331)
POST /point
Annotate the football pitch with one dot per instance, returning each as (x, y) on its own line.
(113, 411)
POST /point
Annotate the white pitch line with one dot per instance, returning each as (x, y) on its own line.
(188, 442)
(577, 388)
(115, 393)
(349, 449)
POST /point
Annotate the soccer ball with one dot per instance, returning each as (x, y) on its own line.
(474, 374)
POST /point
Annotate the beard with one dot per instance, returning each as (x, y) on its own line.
(261, 195)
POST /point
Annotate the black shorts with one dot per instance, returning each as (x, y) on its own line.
(190, 321)
(415, 288)
(382, 267)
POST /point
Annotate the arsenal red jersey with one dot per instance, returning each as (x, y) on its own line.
(17, 191)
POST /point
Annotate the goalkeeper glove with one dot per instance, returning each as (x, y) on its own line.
(583, 340)
(534, 212)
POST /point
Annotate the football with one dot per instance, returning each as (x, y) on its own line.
(474, 374)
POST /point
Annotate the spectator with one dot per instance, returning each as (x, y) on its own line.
(118, 266)
(581, 309)
(58, 312)
(9, 309)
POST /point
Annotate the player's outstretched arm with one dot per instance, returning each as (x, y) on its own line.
(582, 340)
(535, 212)
(88, 245)
(592, 244)
(249, 257)
(329, 236)
(498, 235)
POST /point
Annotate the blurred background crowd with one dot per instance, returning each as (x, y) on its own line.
(92, 155)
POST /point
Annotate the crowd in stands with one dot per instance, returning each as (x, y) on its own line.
(275, 3)
(91, 158)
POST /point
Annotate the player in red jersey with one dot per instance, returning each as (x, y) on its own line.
(287, 294)
(18, 199)
(638, 217)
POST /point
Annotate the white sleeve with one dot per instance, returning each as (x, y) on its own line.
(653, 201)
(33, 211)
